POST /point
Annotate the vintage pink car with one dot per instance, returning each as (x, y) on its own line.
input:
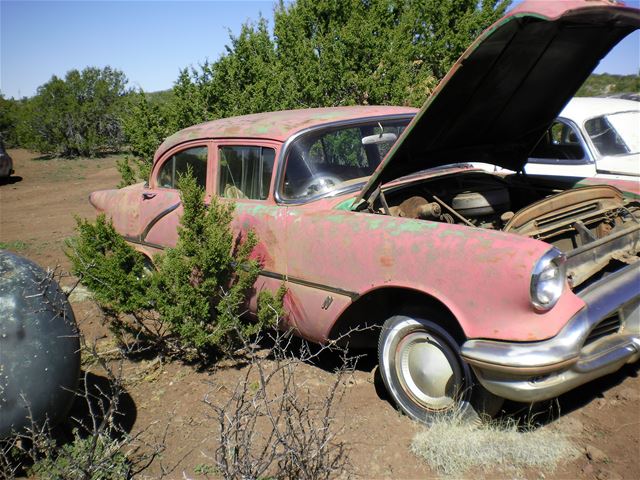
(483, 286)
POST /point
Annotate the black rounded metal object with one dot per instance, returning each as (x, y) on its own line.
(39, 346)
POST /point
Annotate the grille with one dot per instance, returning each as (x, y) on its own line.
(608, 326)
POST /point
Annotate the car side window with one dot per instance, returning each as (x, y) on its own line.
(561, 141)
(178, 164)
(245, 171)
(605, 137)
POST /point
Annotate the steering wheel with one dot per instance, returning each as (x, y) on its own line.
(319, 184)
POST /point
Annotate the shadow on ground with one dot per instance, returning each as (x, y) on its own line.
(10, 180)
(527, 415)
(543, 413)
(98, 397)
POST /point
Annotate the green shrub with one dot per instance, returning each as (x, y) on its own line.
(127, 172)
(194, 300)
(205, 276)
(91, 458)
(109, 267)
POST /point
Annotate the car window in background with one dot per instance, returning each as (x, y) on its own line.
(615, 134)
(561, 141)
(178, 164)
(245, 172)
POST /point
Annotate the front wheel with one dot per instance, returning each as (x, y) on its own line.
(423, 372)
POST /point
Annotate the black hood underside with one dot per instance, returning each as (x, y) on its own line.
(505, 91)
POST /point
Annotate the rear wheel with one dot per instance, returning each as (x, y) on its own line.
(423, 372)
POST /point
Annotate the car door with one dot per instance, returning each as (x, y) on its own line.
(160, 206)
(244, 174)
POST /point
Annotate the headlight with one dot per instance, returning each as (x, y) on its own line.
(548, 279)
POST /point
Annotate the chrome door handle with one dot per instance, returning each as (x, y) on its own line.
(148, 196)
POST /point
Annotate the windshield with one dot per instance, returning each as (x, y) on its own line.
(325, 161)
(615, 134)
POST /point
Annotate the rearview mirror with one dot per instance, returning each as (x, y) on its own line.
(379, 139)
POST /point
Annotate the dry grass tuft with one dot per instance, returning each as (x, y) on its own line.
(452, 446)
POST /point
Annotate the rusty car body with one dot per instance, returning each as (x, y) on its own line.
(484, 286)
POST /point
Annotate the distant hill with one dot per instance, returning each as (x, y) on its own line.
(604, 84)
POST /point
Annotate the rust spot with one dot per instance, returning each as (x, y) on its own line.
(386, 261)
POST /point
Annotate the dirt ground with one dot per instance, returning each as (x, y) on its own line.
(37, 209)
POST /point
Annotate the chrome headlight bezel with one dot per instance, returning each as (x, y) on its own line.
(548, 280)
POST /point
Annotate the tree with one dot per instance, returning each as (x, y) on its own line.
(7, 119)
(243, 80)
(77, 115)
(146, 124)
(337, 52)
(323, 53)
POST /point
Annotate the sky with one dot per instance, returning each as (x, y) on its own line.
(150, 41)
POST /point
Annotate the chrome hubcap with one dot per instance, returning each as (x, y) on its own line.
(425, 371)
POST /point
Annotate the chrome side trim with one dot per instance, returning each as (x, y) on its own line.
(319, 286)
(157, 218)
(139, 241)
(266, 273)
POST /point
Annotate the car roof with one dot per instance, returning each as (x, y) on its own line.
(279, 125)
(580, 109)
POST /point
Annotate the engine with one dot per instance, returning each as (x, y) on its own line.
(595, 226)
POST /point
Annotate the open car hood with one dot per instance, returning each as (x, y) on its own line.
(503, 93)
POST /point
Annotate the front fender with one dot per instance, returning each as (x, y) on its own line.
(482, 276)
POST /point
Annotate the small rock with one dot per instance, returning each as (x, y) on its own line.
(595, 454)
(587, 469)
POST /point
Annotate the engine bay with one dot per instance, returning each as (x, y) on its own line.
(595, 226)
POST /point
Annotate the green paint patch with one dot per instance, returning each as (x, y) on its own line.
(374, 223)
(328, 115)
(334, 218)
(262, 129)
(411, 226)
(449, 232)
(592, 182)
(257, 209)
(346, 205)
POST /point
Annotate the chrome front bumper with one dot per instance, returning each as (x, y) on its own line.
(534, 371)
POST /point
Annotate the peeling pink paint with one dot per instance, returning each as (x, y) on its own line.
(329, 256)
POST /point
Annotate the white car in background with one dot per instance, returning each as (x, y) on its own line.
(592, 137)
